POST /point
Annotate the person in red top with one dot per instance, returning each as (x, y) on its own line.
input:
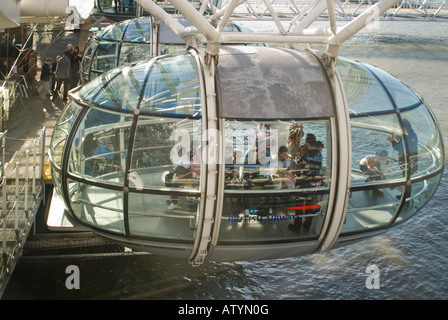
(32, 72)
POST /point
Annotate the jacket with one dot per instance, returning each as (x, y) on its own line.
(63, 68)
(46, 72)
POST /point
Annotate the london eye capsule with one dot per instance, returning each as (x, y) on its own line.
(271, 159)
(131, 40)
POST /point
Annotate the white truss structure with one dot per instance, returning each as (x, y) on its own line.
(348, 9)
(209, 21)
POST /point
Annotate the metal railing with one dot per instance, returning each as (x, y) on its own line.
(21, 193)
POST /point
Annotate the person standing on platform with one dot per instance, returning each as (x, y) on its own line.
(75, 62)
(45, 76)
(76, 65)
(63, 76)
(32, 73)
(53, 72)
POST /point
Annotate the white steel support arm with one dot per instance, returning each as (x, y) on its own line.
(162, 15)
(274, 16)
(227, 14)
(221, 12)
(202, 24)
(314, 12)
(357, 24)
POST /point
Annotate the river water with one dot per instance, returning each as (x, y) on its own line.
(412, 259)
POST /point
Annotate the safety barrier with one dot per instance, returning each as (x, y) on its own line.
(21, 194)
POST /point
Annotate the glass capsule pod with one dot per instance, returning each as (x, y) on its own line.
(273, 159)
(125, 9)
(129, 41)
(116, 8)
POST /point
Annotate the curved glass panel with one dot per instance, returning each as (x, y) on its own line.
(132, 52)
(361, 89)
(277, 180)
(100, 145)
(423, 142)
(97, 206)
(168, 86)
(116, 7)
(372, 203)
(58, 140)
(122, 91)
(87, 59)
(89, 91)
(129, 173)
(138, 30)
(102, 33)
(114, 32)
(373, 158)
(105, 57)
(401, 94)
(61, 131)
(371, 208)
(150, 218)
(163, 152)
(389, 146)
(173, 87)
(420, 194)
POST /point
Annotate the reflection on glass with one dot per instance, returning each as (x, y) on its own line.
(368, 210)
(277, 155)
(421, 192)
(373, 158)
(98, 206)
(423, 141)
(159, 159)
(362, 88)
(276, 180)
(162, 155)
(99, 149)
(401, 94)
(104, 59)
(123, 90)
(138, 30)
(131, 53)
(173, 87)
(61, 131)
(271, 218)
(117, 7)
(150, 217)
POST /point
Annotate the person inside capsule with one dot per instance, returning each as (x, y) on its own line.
(265, 166)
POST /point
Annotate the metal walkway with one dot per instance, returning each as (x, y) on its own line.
(22, 192)
(27, 124)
